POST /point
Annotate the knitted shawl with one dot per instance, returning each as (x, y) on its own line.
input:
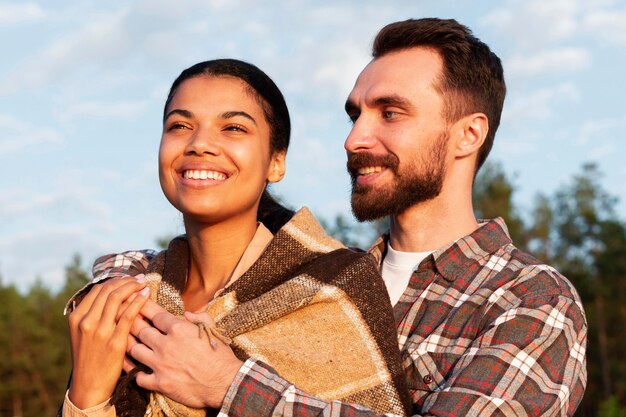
(315, 311)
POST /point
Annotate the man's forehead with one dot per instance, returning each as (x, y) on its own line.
(400, 74)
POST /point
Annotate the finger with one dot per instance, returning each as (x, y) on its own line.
(96, 309)
(150, 336)
(131, 312)
(138, 325)
(147, 381)
(84, 306)
(143, 354)
(128, 365)
(117, 296)
(130, 342)
(151, 309)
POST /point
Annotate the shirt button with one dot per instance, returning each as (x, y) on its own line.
(428, 379)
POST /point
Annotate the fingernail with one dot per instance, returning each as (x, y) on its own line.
(145, 292)
(141, 278)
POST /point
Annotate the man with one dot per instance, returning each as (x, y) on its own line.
(484, 328)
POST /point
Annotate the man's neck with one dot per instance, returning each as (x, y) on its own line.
(431, 225)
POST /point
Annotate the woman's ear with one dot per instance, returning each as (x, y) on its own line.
(277, 166)
(472, 131)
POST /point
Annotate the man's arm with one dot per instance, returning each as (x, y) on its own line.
(258, 391)
(529, 361)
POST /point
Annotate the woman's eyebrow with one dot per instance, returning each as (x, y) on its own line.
(184, 113)
(231, 114)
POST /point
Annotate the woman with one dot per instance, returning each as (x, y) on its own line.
(258, 269)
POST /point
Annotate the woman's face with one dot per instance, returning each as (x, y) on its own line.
(214, 158)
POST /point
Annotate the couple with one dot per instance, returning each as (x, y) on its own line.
(256, 312)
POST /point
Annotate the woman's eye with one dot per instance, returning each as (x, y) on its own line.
(235, 128)
(177, 126)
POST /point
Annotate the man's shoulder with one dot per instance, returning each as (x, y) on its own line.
(535, 277)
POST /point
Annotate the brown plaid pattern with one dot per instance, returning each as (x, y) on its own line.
(484, 330)
(323, 305)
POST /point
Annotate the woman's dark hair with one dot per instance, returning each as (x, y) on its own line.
(271, 100)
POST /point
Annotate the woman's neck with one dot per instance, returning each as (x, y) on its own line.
(215, 250)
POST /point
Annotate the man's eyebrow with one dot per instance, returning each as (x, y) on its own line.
(234, 113)
(392, 100)
(184, 113)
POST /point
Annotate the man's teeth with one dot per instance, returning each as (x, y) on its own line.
(369, 170)
(204, 175)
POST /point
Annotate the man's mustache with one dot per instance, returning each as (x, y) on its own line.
(365, 159)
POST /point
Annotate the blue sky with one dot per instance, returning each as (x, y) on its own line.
(82, 85)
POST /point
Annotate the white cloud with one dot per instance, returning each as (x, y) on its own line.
(343, 63)
(17, 13)
(99, 42)
(534, 22)
(594, 130)
(554, 61)
(17, 135)
(538, 105)
(92, 109)
(607, 25)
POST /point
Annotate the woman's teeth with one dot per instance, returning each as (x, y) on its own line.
(204, 175)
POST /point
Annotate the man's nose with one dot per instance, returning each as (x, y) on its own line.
(361, 137)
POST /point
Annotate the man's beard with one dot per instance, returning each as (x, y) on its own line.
(419, 181)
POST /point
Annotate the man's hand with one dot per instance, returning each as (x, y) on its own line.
(186, 366)
(99, 329)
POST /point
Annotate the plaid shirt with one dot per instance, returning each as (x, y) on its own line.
(484, 330)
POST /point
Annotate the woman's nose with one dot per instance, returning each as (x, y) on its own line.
(203, 142)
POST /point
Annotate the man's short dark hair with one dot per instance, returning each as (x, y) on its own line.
(472, 79)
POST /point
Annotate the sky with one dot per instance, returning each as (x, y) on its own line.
(83, 83)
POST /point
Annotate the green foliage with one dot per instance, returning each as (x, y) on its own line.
(34, 346)
(611, 408)
(575, 229)
(493, 197)
(352, 234)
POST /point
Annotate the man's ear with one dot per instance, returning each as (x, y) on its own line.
(276, 170)
(471, 132)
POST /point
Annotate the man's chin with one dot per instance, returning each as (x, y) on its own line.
(366, 209)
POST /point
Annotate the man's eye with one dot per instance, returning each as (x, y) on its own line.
(389, 114)
(353, 118)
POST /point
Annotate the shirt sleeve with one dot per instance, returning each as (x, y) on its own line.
(258, 391)
(530, 361)
(103, 409)
(115, 265)
(118, 265)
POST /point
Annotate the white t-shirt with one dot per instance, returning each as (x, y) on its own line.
(397, 269)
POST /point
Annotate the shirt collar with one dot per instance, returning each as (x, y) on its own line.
(453, 259)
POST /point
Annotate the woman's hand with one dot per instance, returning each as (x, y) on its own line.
(99, 329)
(189, 365)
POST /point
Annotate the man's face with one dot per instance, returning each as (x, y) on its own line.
(397, 149)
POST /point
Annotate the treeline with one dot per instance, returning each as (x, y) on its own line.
(575, 229)
(34, 346)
